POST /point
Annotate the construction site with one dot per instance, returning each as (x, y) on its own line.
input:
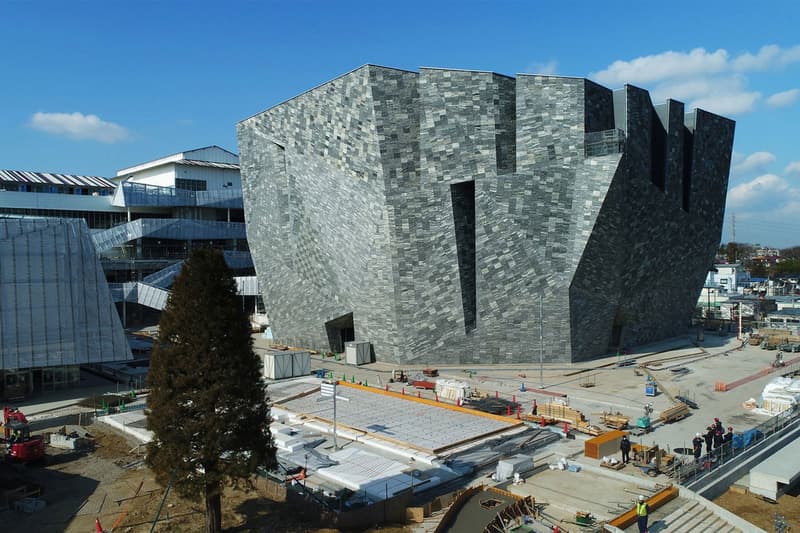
(452, 449)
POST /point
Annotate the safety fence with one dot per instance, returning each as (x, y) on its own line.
(690, 471)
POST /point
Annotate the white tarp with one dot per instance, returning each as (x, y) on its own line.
(506, 468)
(452, 389)
(779, 395)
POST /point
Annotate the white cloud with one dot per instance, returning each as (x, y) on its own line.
(713, 80)
(784, 98)
(727, 103)
(79, 126)
(545, 69)
(753, 162)
(763, 191)
(792, 169)
(665, 65)
(769, 56)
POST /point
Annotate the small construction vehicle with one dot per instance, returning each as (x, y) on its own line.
(398, 376)
(643, 423)
(20, 445)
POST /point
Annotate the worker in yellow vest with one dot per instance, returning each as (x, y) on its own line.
(641, 514)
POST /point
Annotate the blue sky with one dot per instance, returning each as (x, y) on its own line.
(92, 87)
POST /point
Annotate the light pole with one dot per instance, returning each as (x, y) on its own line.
(541, 339)
(305, 472)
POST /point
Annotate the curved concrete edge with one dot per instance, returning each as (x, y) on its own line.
(120, 421)
(721, 512)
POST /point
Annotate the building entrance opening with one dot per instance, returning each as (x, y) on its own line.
(616, 330)
(340, 330)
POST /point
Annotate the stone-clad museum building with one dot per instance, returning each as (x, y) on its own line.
(451, 216)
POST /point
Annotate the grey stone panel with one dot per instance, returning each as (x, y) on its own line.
(673, 174)
(320, 172)
(599, 114)
(642, 230)
(350, 205)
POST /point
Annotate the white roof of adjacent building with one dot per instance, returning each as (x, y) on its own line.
(51, 178)
(210, 156)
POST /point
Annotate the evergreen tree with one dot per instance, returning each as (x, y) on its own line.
(208, 405)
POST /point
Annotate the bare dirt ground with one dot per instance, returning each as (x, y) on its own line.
(760, 512)
(112, 484)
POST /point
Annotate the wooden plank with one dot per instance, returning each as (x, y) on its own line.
(655, 501)
(547, 392)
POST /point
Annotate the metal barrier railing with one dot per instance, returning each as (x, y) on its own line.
(599, 143)
(689, 471)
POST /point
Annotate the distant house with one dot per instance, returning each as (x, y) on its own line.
(728, 278)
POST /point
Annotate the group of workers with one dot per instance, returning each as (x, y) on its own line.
(714, 438)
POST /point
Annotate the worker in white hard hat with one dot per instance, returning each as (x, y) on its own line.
(697, 446)
(642, 509)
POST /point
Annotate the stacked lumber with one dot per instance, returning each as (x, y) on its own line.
(560, 412)
(585, 427)
(615, 420)
(674, 413)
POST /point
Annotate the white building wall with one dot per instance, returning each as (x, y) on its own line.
(162, 176)
(728, 278)
(215, 178)
(213, 154)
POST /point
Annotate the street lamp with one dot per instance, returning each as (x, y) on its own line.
(541, 340)
(305, 472)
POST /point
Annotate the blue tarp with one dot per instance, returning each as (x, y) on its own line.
(741, 440)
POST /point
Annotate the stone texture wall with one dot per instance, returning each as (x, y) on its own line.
(445, 208)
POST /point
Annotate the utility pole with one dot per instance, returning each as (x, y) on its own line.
(328, 389)
(740, 321)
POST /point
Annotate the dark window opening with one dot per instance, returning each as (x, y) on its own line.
(688, 157)
(658, 150)
(190, 185)
(463, 198)
(616, 331)
(340, 330)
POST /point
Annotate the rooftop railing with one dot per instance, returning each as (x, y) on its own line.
(600, 143)
(142, 194)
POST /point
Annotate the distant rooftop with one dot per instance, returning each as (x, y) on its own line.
(50, 178)
(209, 156)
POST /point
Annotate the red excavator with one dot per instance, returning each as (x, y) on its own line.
(20, 444)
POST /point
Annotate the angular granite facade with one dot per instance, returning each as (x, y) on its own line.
(434, 214)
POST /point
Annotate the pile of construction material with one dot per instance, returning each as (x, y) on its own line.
(506, 468)
(779, 395)
(451, 389)
(286, 438)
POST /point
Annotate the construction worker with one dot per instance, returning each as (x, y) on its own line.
(718, 433)
(727, 441)
(625, 448)
(642, 509)
(697, 447)
(709, 438)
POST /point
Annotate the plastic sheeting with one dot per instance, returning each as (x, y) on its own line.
(55, 304)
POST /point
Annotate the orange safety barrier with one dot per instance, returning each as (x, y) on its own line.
(655, 501)
(507, 419)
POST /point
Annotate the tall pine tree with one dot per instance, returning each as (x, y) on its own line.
(208, 405)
